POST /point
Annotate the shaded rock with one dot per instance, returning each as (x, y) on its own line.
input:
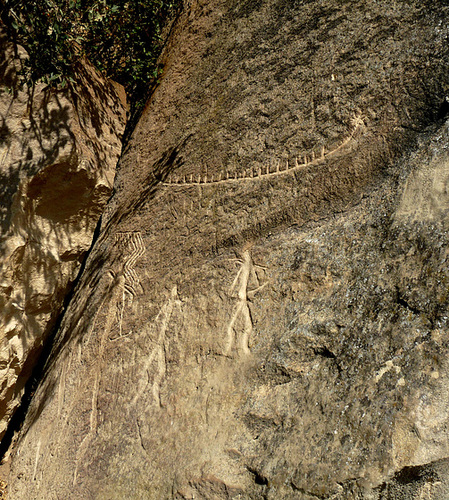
(264, 314)
(58, 154)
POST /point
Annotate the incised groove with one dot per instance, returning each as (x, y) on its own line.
(264, 172)
(240, 284)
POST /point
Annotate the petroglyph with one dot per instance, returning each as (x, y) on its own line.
(389, 365)
(131, 245)
(282, 167)
(156, 365)
(93, 419)
(62, 382)
(36, 461)
(244, 327)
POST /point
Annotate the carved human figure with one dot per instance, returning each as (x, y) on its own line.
(240, 327)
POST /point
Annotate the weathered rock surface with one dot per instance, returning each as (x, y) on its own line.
(58, 155)
(264, 314)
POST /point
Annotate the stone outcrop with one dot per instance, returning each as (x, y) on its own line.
(264, 313)
(58, 155)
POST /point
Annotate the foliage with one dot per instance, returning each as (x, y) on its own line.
(122, 38)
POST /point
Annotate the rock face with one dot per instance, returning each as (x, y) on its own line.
(264, 314)
(58, 155)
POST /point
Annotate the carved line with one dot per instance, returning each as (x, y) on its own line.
(62, 383)
(157, 355)
(264, 172)
(93, 418)
(131, 240)
(36, 460)
(240, 284)
(138, 249)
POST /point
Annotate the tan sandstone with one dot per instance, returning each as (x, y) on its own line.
(264, 311)
(58, 155)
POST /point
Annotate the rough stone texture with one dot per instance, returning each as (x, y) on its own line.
(58, 155)
(252, 323)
